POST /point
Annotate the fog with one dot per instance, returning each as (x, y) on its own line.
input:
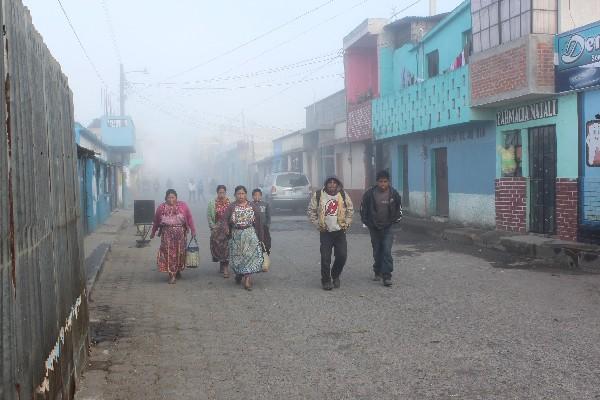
(201, 76)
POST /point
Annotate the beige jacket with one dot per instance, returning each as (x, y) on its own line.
(316, 213)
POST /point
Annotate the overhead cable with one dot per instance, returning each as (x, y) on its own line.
(262, 35)
(81, 45)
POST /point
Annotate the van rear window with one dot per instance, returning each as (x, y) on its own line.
(291, 180)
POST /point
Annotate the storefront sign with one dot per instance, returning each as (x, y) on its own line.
(577, 58)
(529, 112)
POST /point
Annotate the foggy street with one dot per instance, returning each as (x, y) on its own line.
(457, 324)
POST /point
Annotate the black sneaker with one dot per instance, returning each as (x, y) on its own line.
(376, 277)
(387, 282)
(336, 283)
(327, 285)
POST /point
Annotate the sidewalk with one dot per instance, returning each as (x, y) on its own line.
(97, 245)
(570, 255)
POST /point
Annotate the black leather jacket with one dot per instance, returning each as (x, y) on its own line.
(368, 211)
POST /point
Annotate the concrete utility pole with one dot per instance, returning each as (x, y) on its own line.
(432, 7)
(122, 82)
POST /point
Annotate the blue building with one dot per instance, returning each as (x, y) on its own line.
(103, 153)
(440, 152)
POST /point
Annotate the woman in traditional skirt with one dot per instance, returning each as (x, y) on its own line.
(173, 220)
(218, 230)
(245, 238)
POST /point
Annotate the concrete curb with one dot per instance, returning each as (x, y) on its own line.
(102, 241)
(568, 255)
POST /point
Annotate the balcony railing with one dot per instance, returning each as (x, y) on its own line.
(434, 103)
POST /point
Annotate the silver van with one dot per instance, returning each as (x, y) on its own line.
(289, 190)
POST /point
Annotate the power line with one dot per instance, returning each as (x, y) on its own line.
(81, 45)
(405, 8)
(236, 48)
(268, 71)
(358, 4)
(266, 85)
(111, 30)
(264, 101)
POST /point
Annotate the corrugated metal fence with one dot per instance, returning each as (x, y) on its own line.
(43, 305)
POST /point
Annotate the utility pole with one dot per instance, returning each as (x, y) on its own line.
(432, 7)
(122, 84)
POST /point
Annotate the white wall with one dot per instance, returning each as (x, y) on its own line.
(353, 171)
(292, 143)
(576, 13)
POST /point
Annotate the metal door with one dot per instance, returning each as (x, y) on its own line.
(441, 182)
(542, 171)
(403, 156)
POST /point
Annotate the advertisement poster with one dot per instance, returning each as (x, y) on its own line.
(577, 58)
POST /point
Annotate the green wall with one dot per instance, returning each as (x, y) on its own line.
(567, 140)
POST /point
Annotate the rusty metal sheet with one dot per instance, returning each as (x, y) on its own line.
(43, 305)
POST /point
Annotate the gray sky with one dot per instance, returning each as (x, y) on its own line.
(168, 38)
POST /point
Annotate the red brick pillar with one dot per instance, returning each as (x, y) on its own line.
(567, 205)
(511, 203)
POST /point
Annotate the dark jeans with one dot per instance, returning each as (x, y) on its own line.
(382, 240)
(333, 241)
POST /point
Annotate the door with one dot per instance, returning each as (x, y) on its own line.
(542, 171)
(403, 153)
(441, 182)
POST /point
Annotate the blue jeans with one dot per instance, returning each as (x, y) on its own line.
(382, 241)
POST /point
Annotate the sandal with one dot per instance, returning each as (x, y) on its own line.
(248, 283)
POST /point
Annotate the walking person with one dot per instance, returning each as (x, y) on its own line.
(265, 216)
(331, 211)
(192, 190)
(245, 231)
(173, 220)
(381, 208)
(218, 230)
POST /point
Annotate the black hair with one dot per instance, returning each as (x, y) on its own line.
(221, 187)
(383, 174)
(170, 191)
(257, 191)
(240, 187)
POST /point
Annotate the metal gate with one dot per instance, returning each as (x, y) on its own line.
(441, 182)
(542, 172)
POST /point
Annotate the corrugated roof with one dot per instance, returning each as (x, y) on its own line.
(411, 19)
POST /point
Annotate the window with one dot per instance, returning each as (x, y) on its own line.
(511, 154)
(501, 21)
(291, 180)
(467, 42)
(433, 64)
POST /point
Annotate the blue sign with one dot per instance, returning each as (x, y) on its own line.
(577, 58)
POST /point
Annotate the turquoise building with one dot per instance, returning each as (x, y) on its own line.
(441, 153)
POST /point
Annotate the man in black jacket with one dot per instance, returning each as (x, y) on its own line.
(381, 207)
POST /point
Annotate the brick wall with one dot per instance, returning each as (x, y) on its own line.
(545, 65)
(511, 203)
(500, 73)
(359, 121)
(567, 198)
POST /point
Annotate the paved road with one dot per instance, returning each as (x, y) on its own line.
(459, 323)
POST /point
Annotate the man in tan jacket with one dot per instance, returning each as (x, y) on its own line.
(331, 211)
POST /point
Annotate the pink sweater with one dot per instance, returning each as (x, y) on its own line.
(182, 208)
